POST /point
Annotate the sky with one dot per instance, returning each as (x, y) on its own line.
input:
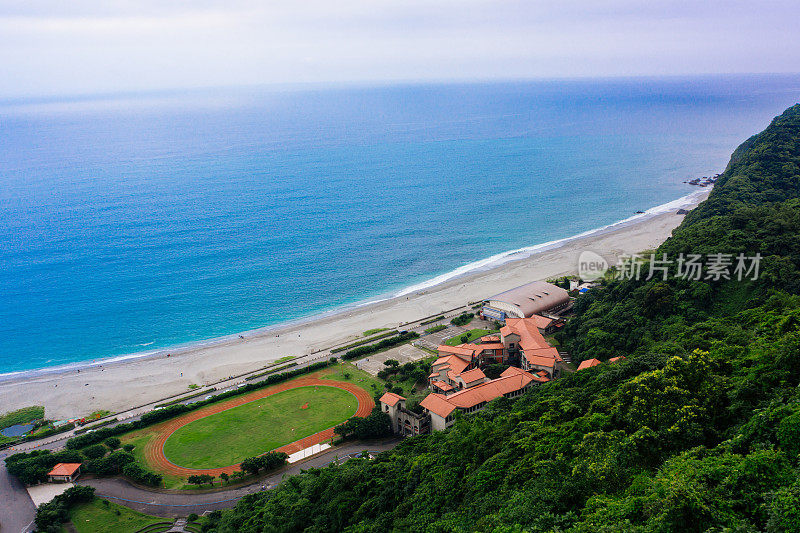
(57, 47)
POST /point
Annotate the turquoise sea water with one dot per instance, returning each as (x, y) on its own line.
(137, 222)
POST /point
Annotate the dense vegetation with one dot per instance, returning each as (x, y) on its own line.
(32, 467)
(50, 515)
(373, 426)
(698, 430)
(102, 516)
(21, 416)
(463, 319)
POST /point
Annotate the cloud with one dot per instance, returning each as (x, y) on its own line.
(50, 47)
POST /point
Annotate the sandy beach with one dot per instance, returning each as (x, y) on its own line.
(120, 385)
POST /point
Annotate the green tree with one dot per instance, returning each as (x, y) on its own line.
(251, 465)
(95, 451)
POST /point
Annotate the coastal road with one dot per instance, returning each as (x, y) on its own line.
(17, 510)
(130, 415)
(16, 507)
(173, 504)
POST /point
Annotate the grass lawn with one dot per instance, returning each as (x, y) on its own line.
(349, 372)
(552, 341)
(21, 416)
(474, 334)
(259, 426)
(374, 331)
(139, 439)
(99, 517)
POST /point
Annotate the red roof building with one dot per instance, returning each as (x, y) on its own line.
(511, 383)
(64, 472)
(589, 363)
(391, 398)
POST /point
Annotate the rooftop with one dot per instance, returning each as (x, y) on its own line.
(455, 363)
(64, 469)
(525, 328)
(540, 360)
(442, 386)
(532, 298)
(463, 351)
(436, 403)
(391, 398)
(476, 374)
(589, 363)
(542, 322)
(512, 379)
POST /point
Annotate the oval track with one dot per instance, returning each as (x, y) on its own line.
(154, 449)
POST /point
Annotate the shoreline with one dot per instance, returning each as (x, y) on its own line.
(215, 359)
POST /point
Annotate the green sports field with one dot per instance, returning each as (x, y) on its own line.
(227, 437)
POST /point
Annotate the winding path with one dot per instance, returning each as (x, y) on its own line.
(154, 449)
(171, 504)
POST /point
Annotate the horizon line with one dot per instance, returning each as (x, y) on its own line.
(12, 99)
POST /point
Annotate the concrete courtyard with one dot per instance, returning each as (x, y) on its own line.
(405, 353)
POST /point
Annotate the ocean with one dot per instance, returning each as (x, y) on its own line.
(136, 222)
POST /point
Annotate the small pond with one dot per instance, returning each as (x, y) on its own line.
(16, 430)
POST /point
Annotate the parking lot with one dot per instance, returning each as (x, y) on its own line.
(433, 340)
(404, 353)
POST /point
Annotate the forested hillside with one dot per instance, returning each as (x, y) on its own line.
(698, 430)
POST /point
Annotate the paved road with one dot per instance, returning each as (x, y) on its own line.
(171, 505)
(57, 441)
(16, 507)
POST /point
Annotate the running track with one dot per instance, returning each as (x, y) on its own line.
(154, 449)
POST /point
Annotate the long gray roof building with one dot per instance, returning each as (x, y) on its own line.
(526, 300)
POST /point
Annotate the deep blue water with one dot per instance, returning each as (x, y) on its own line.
(132, 223)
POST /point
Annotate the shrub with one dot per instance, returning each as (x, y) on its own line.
(493, 371)
(376, 425)
(31, 468)
(251, 465)
(50, 515)
(432, 320)
(128, 447)
(436, 328)
(273, 460)
(268, 461)
(95, 451)
(112, 443)
(463, 319)
(362, 351)
(201, 479)
(110, 465)
(137, 473)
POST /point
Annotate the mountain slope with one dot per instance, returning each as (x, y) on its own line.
(698, 430)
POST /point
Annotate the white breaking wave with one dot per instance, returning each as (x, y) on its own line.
(522, 253)
(475, 266)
